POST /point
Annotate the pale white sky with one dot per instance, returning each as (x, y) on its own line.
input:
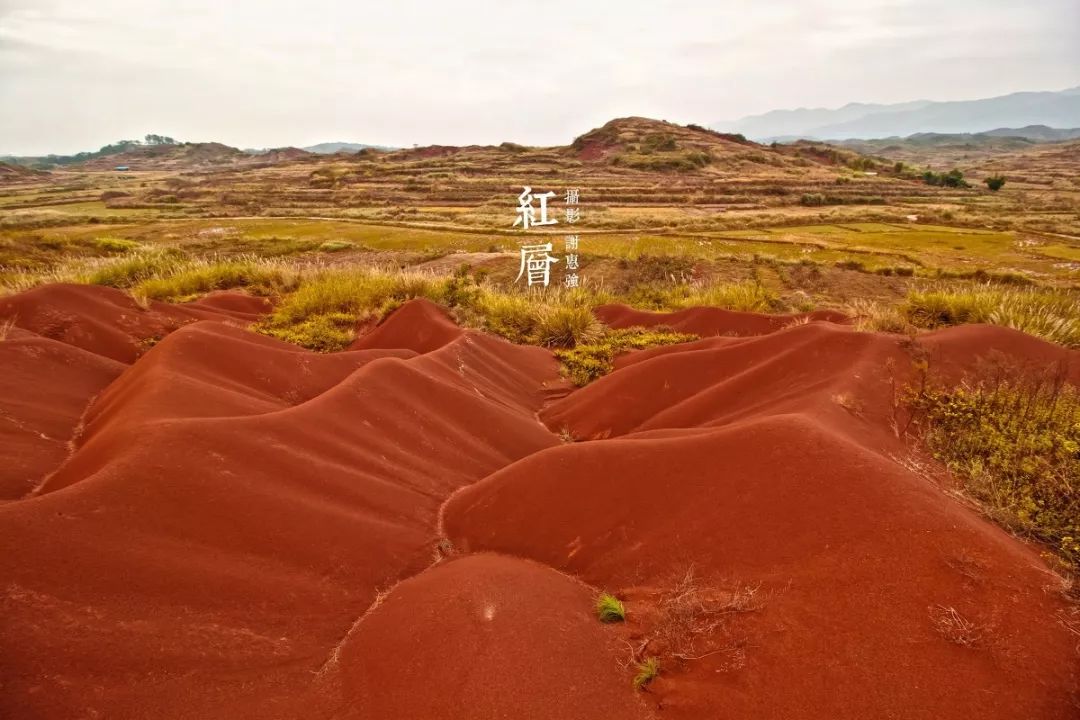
(76, 74)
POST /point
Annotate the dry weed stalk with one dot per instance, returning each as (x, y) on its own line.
(954, 627)
(693, 622)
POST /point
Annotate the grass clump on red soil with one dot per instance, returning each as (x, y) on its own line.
(647, 671)
(192, 278)
(590, 361)
(609, 608)
(552, 318)
(1047, 313)
(130, 269)
(324, 311)
(1014, 442)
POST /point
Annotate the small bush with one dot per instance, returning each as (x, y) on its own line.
(565, 326)
(995, 182)
(609, 608)
(954, 179)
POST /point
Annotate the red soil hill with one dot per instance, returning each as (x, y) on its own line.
(232, 527)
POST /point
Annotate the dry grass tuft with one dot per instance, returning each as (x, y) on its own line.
(954, 627)
(691, 620)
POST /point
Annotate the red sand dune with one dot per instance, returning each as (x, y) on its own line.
(228, 526)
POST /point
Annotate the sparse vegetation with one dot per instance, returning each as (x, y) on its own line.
(689, 620)
(1013, 437)
(589, 361)
(609, 608)
(193, 278)
(870, 316)
(1050, 314)
(115, 245)
(130, 269)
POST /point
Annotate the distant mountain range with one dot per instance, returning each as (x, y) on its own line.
(1020, 110)
(328, 148)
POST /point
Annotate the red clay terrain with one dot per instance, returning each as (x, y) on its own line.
(203, 522)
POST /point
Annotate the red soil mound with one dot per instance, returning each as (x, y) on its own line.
(514, 639)
(44, 388)
(955, 351)
(853, 557)
(105, 321)
(707, 321)
(222, 522)
(253, 497)
(420, 325)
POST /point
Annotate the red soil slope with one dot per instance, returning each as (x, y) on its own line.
(513, 639)
(226, 526)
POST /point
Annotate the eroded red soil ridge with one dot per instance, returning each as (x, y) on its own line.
(201, 522)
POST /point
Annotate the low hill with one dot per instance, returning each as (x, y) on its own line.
(1036, 132)
(12, 173)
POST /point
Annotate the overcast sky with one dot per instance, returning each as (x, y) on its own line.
(76, 74)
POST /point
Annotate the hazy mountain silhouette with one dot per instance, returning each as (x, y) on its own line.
(1059, 109)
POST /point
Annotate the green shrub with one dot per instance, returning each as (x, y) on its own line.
(1014, 441)
(995, 182)
(609, 608)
